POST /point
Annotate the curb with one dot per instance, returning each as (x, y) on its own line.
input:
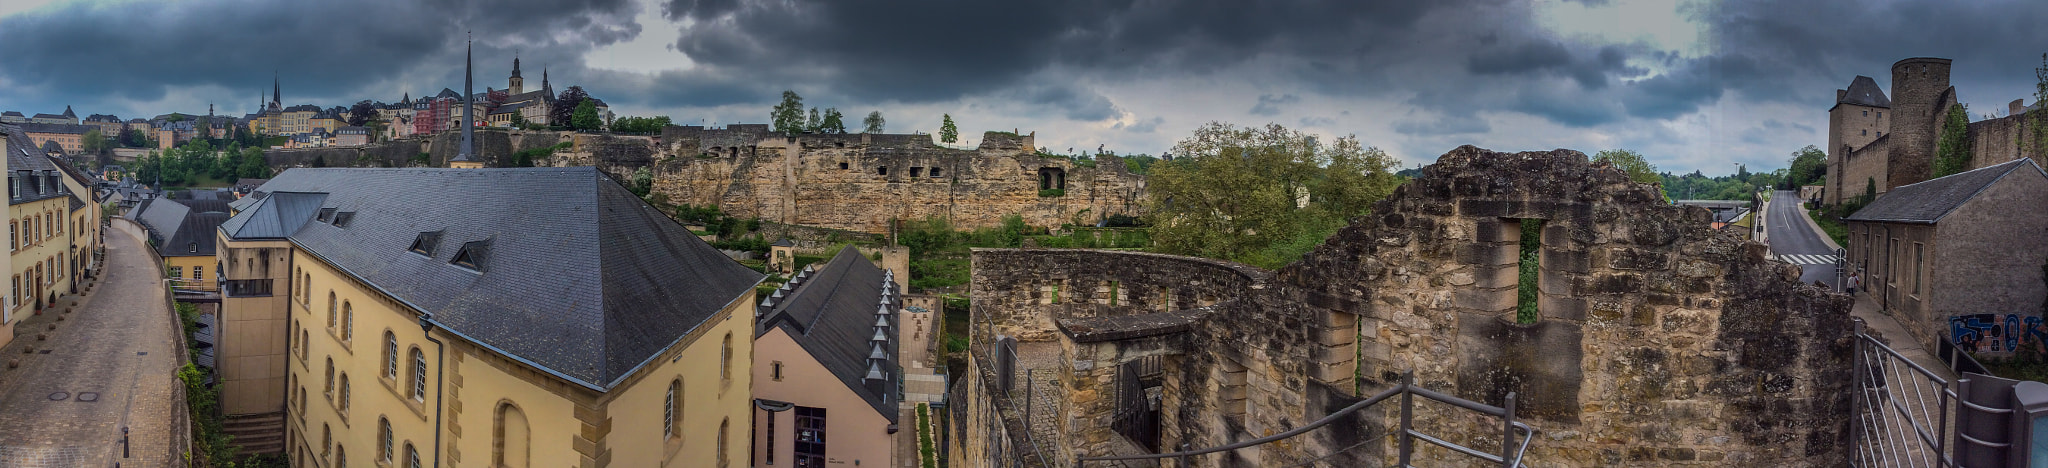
(1815, 226)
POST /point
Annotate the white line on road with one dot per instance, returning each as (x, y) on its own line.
(1801, 259)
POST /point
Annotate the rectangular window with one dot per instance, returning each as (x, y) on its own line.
(771, 438)
(810, 437)
(1528, 270)
(1918, 274)
(916, 171)
(177, 272)
(199, 273)
(775, 371)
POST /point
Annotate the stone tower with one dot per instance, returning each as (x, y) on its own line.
(518, 84)
(1857, 119)
(1920, 92)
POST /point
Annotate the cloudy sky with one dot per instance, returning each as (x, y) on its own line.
(1691, 84)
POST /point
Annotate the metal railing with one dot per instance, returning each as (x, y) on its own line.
(1901, 409)
(1010, 405)
(1510, 455)
(246, 287)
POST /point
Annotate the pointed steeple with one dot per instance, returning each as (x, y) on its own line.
(464, 157)
(515, 64)
(276, 92)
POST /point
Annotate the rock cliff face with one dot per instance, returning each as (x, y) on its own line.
(860, 182)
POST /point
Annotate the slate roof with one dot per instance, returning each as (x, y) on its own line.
(831, 314)
(33, 127)
(303, 108)
(1927, 202)
(583, 280)
(23, 155)
(448, 94)
(1863, 91)
(13, 114)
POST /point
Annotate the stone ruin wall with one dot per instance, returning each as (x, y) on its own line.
(747, 171)
(1994, 141)
(1865, 165)
(1661, 341)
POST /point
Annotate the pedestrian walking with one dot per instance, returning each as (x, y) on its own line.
(1855, 280)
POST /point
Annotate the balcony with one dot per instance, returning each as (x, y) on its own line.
(246, 287)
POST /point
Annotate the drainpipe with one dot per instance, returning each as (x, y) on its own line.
(440, 350)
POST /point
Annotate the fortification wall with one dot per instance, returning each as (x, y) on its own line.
(861, 181)
(1920, 92)
(1659, 342)
(1865, 165)
(397, 153)
(1994, 141)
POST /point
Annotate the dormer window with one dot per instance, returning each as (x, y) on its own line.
(473, 255)
(425, 243)
(326, 214)
(341, 219)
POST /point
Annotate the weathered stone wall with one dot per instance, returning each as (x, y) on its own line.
(1920, 96)
(397, 153)
(1660, 341)
(1994, 141)
(1863, 166)
(1024, 291)
(862, 181)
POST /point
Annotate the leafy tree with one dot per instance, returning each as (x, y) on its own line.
(947, 131)
(134, 138)
(1952, 150)
(586, 116)
(1631, 162)
(1807, 167)
(1260, 195)
(873, 123)
(643, 182)
(175, 117)
(93, 142)
(813, 123)
(564, 110)
(360, 113)
(518, 121)
(253, 165)
(788, 117)
(833, 122)
(640, 124)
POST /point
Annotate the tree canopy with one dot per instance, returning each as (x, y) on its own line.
(833, 121)
(586, 116)
(788, 117)
(640, 124)
(1952, 150)
(1260, 195)
(1809, 166)
(564, 110)
(948, 132)
(873, 123)
(361, 113)
(1631, 162)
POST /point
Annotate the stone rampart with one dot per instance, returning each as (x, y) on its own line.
(1658, 341)
(1994, 141)
(863, 181)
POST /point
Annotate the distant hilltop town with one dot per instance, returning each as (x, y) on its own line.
(312, 126)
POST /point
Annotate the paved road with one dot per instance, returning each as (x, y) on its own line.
(1792, 240)
(97, 349)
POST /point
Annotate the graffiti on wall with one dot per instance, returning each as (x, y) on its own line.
(1980, 333)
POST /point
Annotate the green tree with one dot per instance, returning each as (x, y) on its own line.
(586, 117)
(1260, 195)
(361, 113)
(643, 182)
(833, 122)
(948, 132)
(1807, 167)
(1631, 162)
(788, 117)
(1952, 150)
(563, 112)
(93, 142)
(253, 165)
(873, 123)
(813, 124)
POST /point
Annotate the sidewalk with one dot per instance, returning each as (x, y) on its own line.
(1888, 330)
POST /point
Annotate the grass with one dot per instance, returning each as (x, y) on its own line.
(1832, 225)
(927, 455)
(2018, 368)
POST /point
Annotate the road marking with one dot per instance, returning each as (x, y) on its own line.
(1801, 259)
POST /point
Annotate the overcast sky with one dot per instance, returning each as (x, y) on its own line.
(1691, 84)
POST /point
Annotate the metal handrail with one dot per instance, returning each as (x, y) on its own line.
(1406, 389)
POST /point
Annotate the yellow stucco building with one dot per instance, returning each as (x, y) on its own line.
(827, 376)
(534, 317)
(48, 246)
(180, 227)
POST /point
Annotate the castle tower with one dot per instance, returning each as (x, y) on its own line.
(518, 84)
(1920, 90)
(465, 157)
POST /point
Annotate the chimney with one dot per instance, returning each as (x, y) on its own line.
(2018, 106)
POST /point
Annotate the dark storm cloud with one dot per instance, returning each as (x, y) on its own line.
(143, 50)
(1443, 125)
(1269, 105)
(1802, 50)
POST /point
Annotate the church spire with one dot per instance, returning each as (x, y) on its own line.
(515, 64)
(464, 158)
(276, 91)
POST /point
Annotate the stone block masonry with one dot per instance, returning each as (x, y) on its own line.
(1660, 342)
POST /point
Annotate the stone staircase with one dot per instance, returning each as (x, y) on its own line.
(257, 433)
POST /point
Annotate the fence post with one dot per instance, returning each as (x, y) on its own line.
(1507, 432)
(1856, 427)
(1407, 417)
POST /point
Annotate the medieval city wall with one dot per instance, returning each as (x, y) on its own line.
(390, 154)
(861, 182)
(1994, 141)
(1864, 166)
(1660, 341)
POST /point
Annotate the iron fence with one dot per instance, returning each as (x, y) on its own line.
(1026, 418)
(1901, 409)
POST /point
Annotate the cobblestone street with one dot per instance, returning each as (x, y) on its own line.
(112, 361)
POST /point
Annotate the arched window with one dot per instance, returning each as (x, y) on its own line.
(672, 409)
(511, 435)
(342, 404)
(724, 426)
(330, 380)
(330, 309)
(340, 457)
(390, 355)
(412, 456)
(326, 439)
(384, 439)
(725, 358)
(348, 322)
(303, 337)
(419, 375)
